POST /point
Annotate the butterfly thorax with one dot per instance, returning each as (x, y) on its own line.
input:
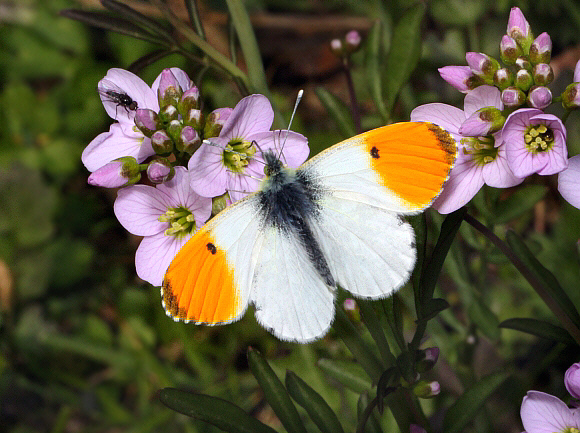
(289, 203)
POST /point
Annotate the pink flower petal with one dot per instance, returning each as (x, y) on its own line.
(498, 174)
(577, 72)
(207, 171)
(138, 208)
(114, 144)
(482, 96)
(182, 78)
(122, 81)
(544, 413)
(253, 114)
(572, 380)
(446, 116)
(295, 150)
(240, 185)
(465, 179)
(569, 182)
(154, 255)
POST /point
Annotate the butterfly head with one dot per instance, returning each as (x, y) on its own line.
(273, 164)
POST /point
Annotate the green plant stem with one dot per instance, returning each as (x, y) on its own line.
(193, 13)
(360, 428)
(527, 274)
(352, 94)
(565, 115)
(217, 57)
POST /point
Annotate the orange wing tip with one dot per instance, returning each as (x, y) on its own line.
(199, 285)
(412, 159)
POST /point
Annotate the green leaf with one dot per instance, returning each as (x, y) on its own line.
(518, 203)
(539, 328)
(348, 373)
(433, 307)
(275, 393)
(373, 68)
(313, 403)
(373, 324)
(405, 52)
(357, 346)
(484, 318)
(466, 407)
(545, 277)
(337, 110)
(371, 423)
(249, 45)
(220, 413)
(448, 231)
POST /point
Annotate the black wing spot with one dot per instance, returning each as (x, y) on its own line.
(375, 153)
(211, 248)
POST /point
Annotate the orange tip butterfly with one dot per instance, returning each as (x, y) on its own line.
(336, 220)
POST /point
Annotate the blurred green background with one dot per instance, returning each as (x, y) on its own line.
(85, 345)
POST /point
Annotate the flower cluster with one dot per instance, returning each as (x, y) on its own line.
(194, 164)
(544, 413)
(503, 132)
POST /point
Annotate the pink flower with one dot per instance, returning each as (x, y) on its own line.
(123, 138)
(535, 143)
(480, 160)
(166, 215)
(544, 413)
(569, 183)
(116, 174)
(519, 29)
(233, 161)
(572, 380)
(460, 77)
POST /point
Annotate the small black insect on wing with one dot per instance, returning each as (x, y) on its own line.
(119, 97)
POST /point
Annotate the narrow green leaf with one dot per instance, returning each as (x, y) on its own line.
(373, 324)
(547, 279)
(275, 393)
(419, 224)
(148, 59)
(466, 407)
(220, 413)
(320, 412)
(136, 17)
(518, 203)
(371, 424)
(337, 110)
(348, 373)
(109, 22)
(433, 307)
(405, 52)
(539, 328)
(392, 307)
(373, 68)
(484, 318)
(357, 346)
(249, 45)
(193, 13)
(448, 231)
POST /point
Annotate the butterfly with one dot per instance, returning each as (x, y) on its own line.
(336, 220)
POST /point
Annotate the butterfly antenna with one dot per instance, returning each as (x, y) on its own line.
(298, 98)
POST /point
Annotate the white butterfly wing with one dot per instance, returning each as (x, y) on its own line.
(290, 297)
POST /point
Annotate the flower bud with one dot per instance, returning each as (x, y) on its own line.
(577, 72)
(161, 142)
(539, 97)
(160, 170)
(523, 63)
(169, 91)
(484, 121)
(461, 77)
(509, 50)
(519, 29)
(168, 113)
(543, 74)
(523, 80)
(541, 49)
(336, 47)
(174, 130)
(503, 78)
(194, 118)
(147, 121)
(189, 101)
(120, 172)
(572, 380)
(215, 122)
(219, 203)
(425, 389)
(482, 65)
(352, 41)
(426, 359)
(513, 97)
(188, 141)
(571, 96)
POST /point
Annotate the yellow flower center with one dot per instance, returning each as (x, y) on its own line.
(237, 154)
(482, 149)
(181, 221)
(538, 138)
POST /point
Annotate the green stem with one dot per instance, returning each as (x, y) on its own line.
(193, 12)
(528, 275)
(565, 115)
(360, 428)
(352, 94)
